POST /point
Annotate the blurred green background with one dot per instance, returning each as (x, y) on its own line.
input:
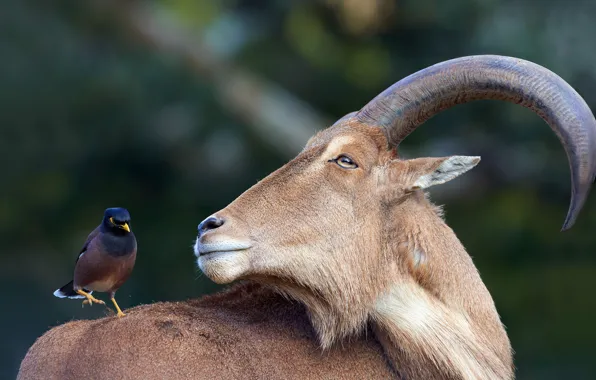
(173, 108)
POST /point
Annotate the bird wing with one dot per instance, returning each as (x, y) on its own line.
(91, 236)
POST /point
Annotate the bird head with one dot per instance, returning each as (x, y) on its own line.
(117, 219)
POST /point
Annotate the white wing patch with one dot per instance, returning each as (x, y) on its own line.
(59, 294)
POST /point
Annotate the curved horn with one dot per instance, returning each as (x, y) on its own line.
(401, 108)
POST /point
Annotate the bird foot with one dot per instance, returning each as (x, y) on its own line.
(120, 313)
(91, 300)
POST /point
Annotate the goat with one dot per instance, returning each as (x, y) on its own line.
(384, 287)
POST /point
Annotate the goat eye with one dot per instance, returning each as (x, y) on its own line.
(345, 162)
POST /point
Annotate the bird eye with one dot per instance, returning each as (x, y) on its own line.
(116, 222)
(345, 162)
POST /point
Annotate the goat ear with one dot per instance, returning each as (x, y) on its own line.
(427, 172)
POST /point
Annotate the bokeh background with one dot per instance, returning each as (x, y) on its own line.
(173, 108)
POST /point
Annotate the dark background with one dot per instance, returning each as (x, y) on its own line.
(173, 108)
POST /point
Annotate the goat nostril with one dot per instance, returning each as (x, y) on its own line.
(210, 223)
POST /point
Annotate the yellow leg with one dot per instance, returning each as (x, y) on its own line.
(120, 313)
(90, 299)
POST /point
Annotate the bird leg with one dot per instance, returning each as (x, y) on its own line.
(90, 299)
(120, 313)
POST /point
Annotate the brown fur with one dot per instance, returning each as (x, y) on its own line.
(247, 332)
(357, 248)
(340, 240)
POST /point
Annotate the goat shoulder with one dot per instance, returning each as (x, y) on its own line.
(245, 332)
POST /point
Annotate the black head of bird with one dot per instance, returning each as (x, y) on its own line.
(106, 260)
(116, 220)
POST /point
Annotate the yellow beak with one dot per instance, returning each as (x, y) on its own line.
(123, 226)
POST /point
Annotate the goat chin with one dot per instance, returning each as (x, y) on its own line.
(223, 267)
(223, 261)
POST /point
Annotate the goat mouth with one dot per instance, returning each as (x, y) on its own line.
(206, 249)
(214, 253)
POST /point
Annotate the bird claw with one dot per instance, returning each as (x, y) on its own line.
(91, 300)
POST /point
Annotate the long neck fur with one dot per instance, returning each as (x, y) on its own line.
(425, 300)
(436, 319)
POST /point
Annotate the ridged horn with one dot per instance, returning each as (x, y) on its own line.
(401, 108)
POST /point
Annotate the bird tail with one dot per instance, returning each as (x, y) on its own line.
(67, 291)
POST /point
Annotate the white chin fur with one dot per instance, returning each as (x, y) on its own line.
(223, 267)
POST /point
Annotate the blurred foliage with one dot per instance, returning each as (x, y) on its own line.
(91, 118)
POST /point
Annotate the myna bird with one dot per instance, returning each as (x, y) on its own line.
(105, 261)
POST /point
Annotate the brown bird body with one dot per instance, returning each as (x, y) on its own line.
(103, 273)
(106, 260)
